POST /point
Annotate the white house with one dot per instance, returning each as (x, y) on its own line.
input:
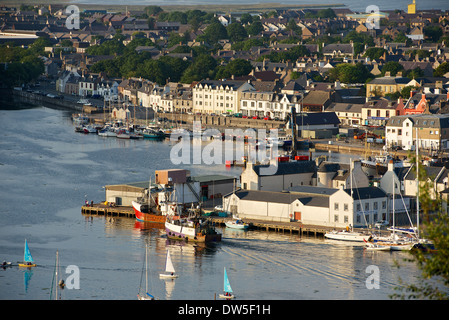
(328, 207)
(218, 96)
(433, 131)
(108, 90)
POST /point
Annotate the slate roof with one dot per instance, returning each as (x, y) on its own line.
(421, 120)
(285, 168)
(266, 196)
(366, 193)
(317, 118)
(390, 80)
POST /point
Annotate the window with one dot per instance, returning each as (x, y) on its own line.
(336, 218)
(346, 219)
(384, 204)
(345, 207)
(367, 206)
(359, 208)
(375, 205)
(336, 206)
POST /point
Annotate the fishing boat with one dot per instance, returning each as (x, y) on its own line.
(146, 295)
(378, 165)
(144, 213)
(169, 269)
(237, 223)
(28, 261)
(190, 229)
(227, 290)
(346, 235)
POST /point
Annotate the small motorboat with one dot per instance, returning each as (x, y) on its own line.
(107, 132)
(89, 129)
(237, 224)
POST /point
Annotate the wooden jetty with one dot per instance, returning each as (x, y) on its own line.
(105, 210)
(279, 226)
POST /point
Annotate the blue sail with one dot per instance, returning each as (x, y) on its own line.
(27, 254)
(226, 285)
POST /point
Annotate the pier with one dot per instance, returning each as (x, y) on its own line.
(105, 210)
(276, 226)
(279, 226)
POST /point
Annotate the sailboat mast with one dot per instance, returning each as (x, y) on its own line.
(417, 185)
(392, 179)
(146, 268)
(56, 274)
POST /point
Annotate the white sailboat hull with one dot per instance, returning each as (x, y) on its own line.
(223, 296)
(347, 236)
(167, 276)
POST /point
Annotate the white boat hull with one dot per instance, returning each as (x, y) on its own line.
(377, 247)
(167, 276)
(239, 226)
(347, 236)
(223, 296)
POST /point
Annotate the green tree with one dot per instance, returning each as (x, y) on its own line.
(254, 28)
(215, 31)
(433, 33)
(153, 10)
(237, 67)
(203, 67)
(292, 26)
(236, 32)
(374, 53)
(246, 18)
(441, 69)
(393, 67)
(349, 73)
(434, 226)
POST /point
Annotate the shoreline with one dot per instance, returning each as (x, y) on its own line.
(225, 8)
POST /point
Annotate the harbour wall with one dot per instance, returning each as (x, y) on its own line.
(33, 97)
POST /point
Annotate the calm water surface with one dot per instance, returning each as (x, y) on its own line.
(47, 171)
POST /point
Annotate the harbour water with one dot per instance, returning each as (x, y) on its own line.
(48, 170)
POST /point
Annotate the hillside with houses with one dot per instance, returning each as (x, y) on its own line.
(255, 66)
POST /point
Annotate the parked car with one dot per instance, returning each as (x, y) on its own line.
(381, 223)
(218, 208)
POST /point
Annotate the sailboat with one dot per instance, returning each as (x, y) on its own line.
(348, 235)
(27, 258)
(227, 294)
(146, 295)
(169, 269)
